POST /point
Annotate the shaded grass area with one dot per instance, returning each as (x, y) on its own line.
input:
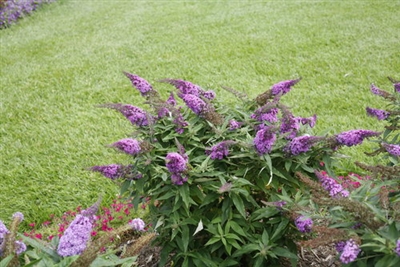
(57, 64)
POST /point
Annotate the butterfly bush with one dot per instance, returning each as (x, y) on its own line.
(225, 181)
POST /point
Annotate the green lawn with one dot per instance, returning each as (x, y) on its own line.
(57, 64)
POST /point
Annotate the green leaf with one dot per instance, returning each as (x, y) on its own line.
(246, 249)
(184, 192)
(280, 230)
(238, 202)
(213, 240)
(264, 213)
(235, 227)
(4, 262)
(284, 253)
(265, 238)
(39, 246)
(185, 237)
(67, 261)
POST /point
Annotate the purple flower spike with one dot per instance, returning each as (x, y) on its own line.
(378, 113)
(19, 247)
(197, 105)
(397, 87)
(301, 144)
(304, 224)
(350, 252)
(233, 125)
(75, 237)
(310, 121)
(220, 150)
(3, 231)
(128, 145)
(397, 249)
(376, 91)
(137, 224)
(264, 140)
(283, 87)
(184, 87)
(18, 215)
(175, 162)
(135, 115)
(178, 179)
(354, 137)
(392, 149)
(171, 99)
(291, 126)
(139, 83)
(92, 210)
(210, 94)
(112, 171)
(270, 116)
(340, 246)
(329, 184)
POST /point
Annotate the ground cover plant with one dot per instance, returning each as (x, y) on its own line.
(12, 10)
(228, 186)
(53, 73)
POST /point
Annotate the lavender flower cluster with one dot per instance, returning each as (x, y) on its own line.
(301, 144)
(392, 149)
(329, 184)
(12, 10)
(354, 137)
(112, 171)
(220, 150)
(128, 145)
(349, 251)
(177, 166)
(304, 224)
(137, 224)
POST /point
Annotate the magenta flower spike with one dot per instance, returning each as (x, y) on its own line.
(220, 150)
(329, 184)
(175, 162)
(354, 137)
(392, 149)
(350, 252)
(196, 104)
(378, 113)
(304, 224)
(112, 171)
(301, 144)
(264, 140)
(128, 145)
(139, 83)
(283, 87)
(185, 87)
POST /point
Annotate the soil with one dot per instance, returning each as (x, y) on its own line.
(324, 256)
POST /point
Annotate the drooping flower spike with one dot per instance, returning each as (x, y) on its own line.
(184, 87)
(378, 113)
(354, 137)
(113, 171)
(392, 149)
(139, 83)
(301, 144)
(128, 145)
(135, 115)
(264, 140)
(283, 87)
